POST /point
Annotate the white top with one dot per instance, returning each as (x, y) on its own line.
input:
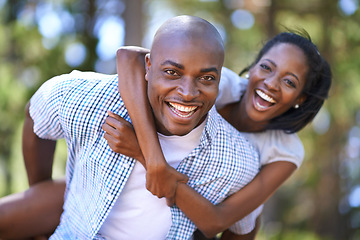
(231, 88)
(137, 214)
(276, 145)
(272, 145)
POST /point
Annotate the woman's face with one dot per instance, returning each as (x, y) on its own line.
(276, 83)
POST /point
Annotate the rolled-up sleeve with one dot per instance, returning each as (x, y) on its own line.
(45, 106)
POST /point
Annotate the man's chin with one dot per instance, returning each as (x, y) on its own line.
(178, 131)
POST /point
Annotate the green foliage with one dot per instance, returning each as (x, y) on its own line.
(25, 64)
(291, 235)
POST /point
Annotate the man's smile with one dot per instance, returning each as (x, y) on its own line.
(181, 110)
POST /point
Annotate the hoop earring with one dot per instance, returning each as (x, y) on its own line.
(296, 106)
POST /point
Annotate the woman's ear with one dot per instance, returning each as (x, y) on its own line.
(300, 100)
(147, 66)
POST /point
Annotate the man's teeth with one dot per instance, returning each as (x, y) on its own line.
(182, 108)
(265, 96)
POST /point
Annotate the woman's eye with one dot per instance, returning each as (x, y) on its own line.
(290, 83)
(171, 72)
(265, 67)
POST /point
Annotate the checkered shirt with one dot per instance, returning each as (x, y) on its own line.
(73, 106)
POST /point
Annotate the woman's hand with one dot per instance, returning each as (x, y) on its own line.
(121, 137)
(161, 179)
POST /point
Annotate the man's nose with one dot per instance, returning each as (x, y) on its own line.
(188, 89)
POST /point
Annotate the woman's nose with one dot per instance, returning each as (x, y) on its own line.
(272, 83)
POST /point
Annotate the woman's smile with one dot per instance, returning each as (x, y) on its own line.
(262, 100)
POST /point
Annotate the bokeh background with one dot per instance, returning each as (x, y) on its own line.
(41, 39)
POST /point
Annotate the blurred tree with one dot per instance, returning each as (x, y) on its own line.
(134, 19)
(35, 39)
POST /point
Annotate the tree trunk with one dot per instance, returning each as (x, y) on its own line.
(133, 17)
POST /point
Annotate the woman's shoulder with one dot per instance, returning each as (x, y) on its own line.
(277, 145)
(230, 78)
(276, 136)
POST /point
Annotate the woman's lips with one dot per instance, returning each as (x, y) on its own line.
(262, 100)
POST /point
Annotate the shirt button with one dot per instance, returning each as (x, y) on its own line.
(126, 165)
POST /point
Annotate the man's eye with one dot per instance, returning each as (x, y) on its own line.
(207, 78)
(171, 72)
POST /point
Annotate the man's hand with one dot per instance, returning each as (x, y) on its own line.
(162, 181)
(121, 137)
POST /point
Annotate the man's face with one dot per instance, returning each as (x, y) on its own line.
(183, 83)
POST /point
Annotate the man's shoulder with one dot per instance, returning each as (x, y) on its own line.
(89, 82)
(222, 127)
(70, 90)
(88, 75)
(77, 78)
(228, 156)
(228, 137)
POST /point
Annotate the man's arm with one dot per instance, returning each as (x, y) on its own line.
(38, 153)
(161, 179)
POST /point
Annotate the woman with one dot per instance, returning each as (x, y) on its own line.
(275, 89)
(287, 85)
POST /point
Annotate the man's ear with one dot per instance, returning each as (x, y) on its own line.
(147, 66)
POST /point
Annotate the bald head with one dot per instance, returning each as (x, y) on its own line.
(189, 30)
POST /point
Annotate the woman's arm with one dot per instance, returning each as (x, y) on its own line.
(161, 179)
(209, 218)
(212, 219)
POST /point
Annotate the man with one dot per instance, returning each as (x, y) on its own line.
(105, 193)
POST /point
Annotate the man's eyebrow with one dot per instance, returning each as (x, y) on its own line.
(180, 66)
(290, 73)
(212, 69)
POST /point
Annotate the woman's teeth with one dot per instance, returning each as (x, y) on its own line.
(265, 97)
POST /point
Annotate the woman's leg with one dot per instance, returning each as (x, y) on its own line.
(33, 212)
(228, 235)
